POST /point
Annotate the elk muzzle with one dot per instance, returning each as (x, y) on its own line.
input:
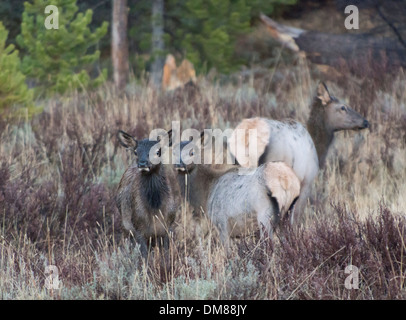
(143, 166)
(180, 167)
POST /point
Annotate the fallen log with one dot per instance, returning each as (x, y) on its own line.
(361, 54)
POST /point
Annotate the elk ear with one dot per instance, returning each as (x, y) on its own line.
(323, 94)
(126, 140)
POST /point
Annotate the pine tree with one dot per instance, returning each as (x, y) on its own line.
(213, 34)
(13, 89)
(207, 30)
(59, 59)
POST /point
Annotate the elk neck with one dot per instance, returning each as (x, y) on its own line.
(154, 187)
(199, 183)
(321, 134)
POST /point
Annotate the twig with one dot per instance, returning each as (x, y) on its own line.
(391, 25)
(313, 272)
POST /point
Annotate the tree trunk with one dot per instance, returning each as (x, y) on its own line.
(157, 49)
(119, 44)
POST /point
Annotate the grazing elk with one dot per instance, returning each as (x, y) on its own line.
(303, 150)
(233, 201)
(148, 193)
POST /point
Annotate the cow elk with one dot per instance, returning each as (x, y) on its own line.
(233, 202)
(305, 151)
(148, 193)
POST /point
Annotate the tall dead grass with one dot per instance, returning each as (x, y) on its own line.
(59, 172)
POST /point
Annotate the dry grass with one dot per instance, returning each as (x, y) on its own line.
(59, 172)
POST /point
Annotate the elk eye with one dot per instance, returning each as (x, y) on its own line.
(135, 152)
(343, 108)
(158, 153)
(192, 153)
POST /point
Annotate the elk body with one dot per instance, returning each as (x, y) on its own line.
(148, 194)
(305, 151)
(233, 201)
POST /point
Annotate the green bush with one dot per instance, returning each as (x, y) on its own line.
(211, 35)
(13, 89)
(211, 28)
(59, 59)
(205, 31)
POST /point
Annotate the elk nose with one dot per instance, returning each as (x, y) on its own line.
(142, 164)
(366, 124)
(180, 167)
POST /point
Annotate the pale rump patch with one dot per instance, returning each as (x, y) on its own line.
(283, 184)
(245, 159)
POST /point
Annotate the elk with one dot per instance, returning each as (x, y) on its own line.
(148, 194)
(233, 201)
(305, 151)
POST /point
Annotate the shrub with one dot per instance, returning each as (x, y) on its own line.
(59, 59)
(13, 89)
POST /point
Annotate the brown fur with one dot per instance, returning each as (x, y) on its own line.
(139, 218)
